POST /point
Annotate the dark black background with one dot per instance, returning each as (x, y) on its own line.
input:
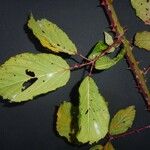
(30, 126)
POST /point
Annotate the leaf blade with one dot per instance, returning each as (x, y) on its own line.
(109, 41)
(63, 124)
(122, 120)
(51, 36)
(142, 8)
(93, 113)
(19, 71)
(106, 62)
(142, 40)
(98, 48)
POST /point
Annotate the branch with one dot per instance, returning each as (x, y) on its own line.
(138, 130)
(79, 66)
(91, 62)
(118, 29)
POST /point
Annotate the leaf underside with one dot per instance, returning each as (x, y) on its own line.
(51, 36)
(93, 113)
(27, 75)
(142, 40)
(122, 120)
(142, 8)
(64, 120)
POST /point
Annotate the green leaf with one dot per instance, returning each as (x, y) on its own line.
(122, 120)
(108, 38)
(142, 40)
(27, 75)
(106, 62)
(51, 36)
(109, 41)
(98, 48)
(97, 147)
(142, 8)
(93, 113)
(108, 146)
(64, 119)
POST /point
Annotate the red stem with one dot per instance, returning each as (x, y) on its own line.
(138, 130)
(78, 66)
(83, 57)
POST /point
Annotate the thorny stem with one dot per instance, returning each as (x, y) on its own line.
(91, 62)
(118, 30)
(78, 66)
(91, 69)
(138, 130)
(116, 42)
(83, 57)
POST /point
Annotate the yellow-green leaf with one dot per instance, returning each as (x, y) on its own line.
(51, 36)
(93, 113)
(27, 75)
(96, 147)
(108, 146)
(142, 40)
(122, 120)
(109, 41)
(142, 8)
(64, 119)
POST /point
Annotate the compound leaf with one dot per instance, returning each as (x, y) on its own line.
(142, 40)
(93, 113)
(104, 62)
(142, 8)
(97, 147)
(51, 36)
(64, 118)
(122, 120)
(108, 146)
(27, 75)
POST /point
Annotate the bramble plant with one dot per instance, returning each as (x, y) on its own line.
(27, 75)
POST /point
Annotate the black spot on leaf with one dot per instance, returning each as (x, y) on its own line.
(43, 31)
(124, 122)
(86, 112)
(30, 73)
(28, 83)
